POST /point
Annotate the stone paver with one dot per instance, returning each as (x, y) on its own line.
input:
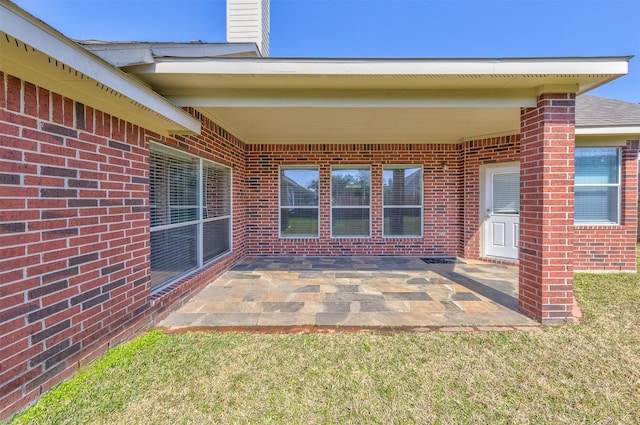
(357, 291)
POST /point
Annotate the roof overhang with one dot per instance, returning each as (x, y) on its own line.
(632, 131)
(271, 100)
(135, 53)
(39, 54)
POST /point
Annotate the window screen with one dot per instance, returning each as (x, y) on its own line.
(190, 213)
(402, 199)
(350, 202)
(299, 202)
(597, 185)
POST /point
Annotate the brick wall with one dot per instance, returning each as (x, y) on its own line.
(442, 198)
(74, 232)
(74, 226)
(613, 248)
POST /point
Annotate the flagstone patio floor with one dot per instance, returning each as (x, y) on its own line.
(356, 291)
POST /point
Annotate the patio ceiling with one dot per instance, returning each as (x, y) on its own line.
(268, 100)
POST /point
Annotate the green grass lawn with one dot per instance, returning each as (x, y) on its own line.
(588, 373)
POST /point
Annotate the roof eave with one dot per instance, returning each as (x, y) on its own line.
(142, 105)
(631, 130)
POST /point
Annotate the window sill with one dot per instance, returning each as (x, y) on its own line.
(595, 226)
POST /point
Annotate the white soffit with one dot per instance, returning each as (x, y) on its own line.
(33, 51)
(576, 74)
(364, 125)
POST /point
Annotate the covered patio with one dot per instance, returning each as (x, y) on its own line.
(357, 291)
(329, 155)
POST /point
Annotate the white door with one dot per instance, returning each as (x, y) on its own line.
(502, 211)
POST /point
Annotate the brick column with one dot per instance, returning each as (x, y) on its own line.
(546, 208)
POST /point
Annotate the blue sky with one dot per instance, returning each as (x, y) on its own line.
(379, 28)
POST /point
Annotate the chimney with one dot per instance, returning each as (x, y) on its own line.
(248, 22)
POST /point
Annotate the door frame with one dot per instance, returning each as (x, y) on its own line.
(484, 171)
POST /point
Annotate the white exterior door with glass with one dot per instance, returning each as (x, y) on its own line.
(501, 211)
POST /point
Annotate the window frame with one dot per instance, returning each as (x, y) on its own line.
(421, 206)
(281, 168)
(200, 207)
(618, 185)
(349, 167)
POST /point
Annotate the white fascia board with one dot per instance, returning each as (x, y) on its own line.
(17, 23)
(265, 98)
(613, 130)
(266, 66)
(606, 141)
(605, 66)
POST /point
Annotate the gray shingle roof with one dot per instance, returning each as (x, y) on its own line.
(594, 111)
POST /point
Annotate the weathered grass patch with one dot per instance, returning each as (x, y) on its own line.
(569, 374)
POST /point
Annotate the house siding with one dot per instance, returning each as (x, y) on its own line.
(74, 232)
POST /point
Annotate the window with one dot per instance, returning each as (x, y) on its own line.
(350, 201)
(299, 201)
(402, 199)
(190, 211)
(505, 193)
(597, 185)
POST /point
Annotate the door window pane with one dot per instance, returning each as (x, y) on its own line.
(506, 193)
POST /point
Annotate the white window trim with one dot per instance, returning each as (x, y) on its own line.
(403, 166)
(280, 206)
(200, 221)
(349, 167)
(619, 186)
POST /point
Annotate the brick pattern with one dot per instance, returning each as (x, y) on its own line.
(612, 248)
(546, 208)
(74, 225)
(74, 231)
(442, 198)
